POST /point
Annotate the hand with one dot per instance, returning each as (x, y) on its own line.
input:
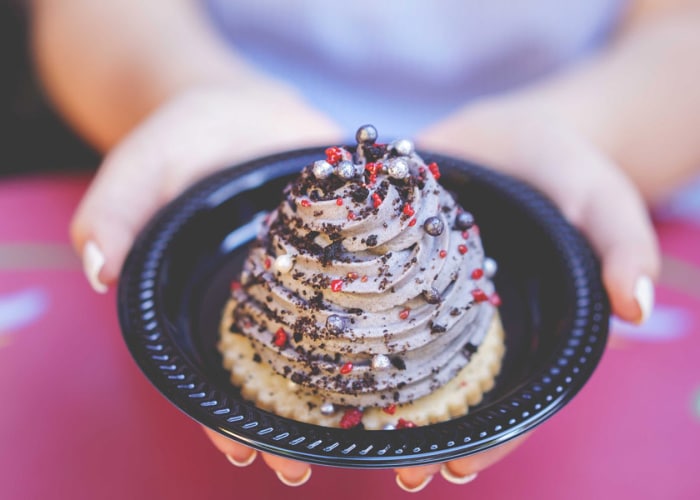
(194, 134)
(190, 136)
(520, 139)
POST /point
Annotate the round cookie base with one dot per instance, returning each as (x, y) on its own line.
(270, 391)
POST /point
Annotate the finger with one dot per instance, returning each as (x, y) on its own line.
(236, 453)
(466, 468)
(414, 479)
(113, 210)
(615, 220)
(289, 472)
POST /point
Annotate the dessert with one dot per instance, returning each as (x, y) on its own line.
(367, 298)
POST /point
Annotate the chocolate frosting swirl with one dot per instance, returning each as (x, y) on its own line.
(368, 290)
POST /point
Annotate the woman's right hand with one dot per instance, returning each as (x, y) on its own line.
(193, 134)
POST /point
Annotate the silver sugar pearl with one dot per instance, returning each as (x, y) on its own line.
(322, 169)
(403, 147)
(389, 427)
(345, 170)
(380, 362)
(432, 296)
(283, 263)
(335, 323)
(464, 220)
(490, 267)
(398, 168)
(434, 226)
(327, 408)
(366, 134)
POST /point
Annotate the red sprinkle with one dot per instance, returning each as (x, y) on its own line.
(352, 276)
(364, 279)
(479, 295)
(495, 299)
(351, 215)
(435, 170)
(339, 201)
(465, 234)
(412, 223)
(305, 203)
(351, 418)
(405, 424)
(280, 338)
(477, 273)
(267, 263)
(337, 285)
(408, 210)
(235, 285)
(372, 168)
(404, 313)
(334, 155)
(443, 254)
(376, 200)
(346, 368)
(391, 409)
(462, 249)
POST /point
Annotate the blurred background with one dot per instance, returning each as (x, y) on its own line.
(79, 421)
(34, 138)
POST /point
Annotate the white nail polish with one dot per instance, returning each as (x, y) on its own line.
(644, 294)
(93, 261)
(303, 479)
(415, 489)
(242, 463)
(454, 479)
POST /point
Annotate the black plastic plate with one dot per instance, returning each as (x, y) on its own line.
(176, 280)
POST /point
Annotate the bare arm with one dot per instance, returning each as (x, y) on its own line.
(108, 64)
(638, 100)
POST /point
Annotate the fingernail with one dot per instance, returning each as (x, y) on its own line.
(415, 489)
(454, 479)
(298, 482)
(242, 463)
(644, 294)
(93, 262)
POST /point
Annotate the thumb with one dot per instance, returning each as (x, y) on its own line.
(186, 139)
(599, 199)
(591, 191)
(121, 198)
(615, 220)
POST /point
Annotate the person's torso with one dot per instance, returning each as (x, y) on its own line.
(402, 65)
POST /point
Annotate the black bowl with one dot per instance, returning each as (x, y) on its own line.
(176, 280)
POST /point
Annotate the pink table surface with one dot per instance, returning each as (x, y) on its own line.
(78, 419)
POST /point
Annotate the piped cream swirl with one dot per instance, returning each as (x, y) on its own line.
(353, 291)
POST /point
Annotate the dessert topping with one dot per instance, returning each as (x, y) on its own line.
(351, 418)
(434, 226)
(280, 339)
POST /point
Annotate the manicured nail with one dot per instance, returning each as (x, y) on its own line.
(454, 479)
(644, 294)
(93, 262)
(242, 463)
(415, 489)
(303, 479)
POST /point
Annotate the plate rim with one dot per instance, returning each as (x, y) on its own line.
(184, 386)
